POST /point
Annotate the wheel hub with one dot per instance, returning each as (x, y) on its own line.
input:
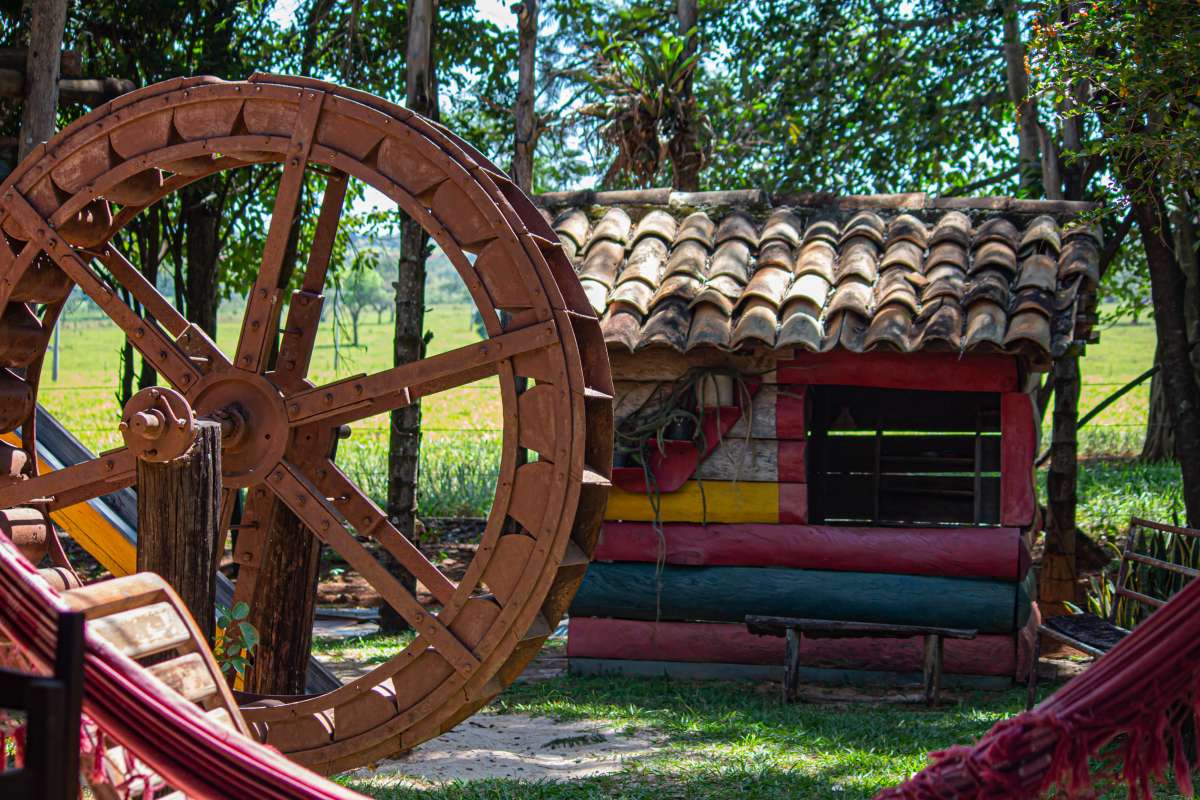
(251, 409)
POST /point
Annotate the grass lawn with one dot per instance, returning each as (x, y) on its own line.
(719, 740)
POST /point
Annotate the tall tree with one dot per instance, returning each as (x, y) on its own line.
(525, 128)
(1135, 71)
(43, 57)
(687, 156)
(404, 445)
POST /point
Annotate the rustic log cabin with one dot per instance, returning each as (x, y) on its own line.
(823, 411)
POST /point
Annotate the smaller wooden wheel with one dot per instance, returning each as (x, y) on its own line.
(59, 212)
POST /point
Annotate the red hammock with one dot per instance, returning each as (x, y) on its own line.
(1141, 694)
(172, 736)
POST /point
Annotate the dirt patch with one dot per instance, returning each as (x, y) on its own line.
(514, 746)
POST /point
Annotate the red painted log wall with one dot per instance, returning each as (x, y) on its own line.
(589, 637)
(959, 552)
(1018, 449)
(931, 371)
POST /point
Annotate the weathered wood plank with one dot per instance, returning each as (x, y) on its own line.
(723, 642)
(719, 501)
(999, 553)
(1018, 451)
(142, 631)
(931, 371)
(739, 459)
(728, 594)
(687, 671)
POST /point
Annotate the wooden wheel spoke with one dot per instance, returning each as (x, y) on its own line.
(366, 395)
(75, 484)
(262, 307)
(323, 519)
(158, 350)
(142, 290)
(304, 311)
(368, 519)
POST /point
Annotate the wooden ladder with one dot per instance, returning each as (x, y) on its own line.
(141, 616)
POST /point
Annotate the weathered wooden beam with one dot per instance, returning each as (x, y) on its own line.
(999, 553)
(179, 521)
(88, 91)
(69, 65)
(729, 594)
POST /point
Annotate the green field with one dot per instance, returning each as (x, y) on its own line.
(461, 426)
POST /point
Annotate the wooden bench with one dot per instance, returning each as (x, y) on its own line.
(794, 628)
(1097, 635)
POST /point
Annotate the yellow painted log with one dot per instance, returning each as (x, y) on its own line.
(721, 501)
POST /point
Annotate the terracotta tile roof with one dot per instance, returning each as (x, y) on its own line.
(902, 272)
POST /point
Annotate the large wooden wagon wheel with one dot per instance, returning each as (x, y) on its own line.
(61, 208)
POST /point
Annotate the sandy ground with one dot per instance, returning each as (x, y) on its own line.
(515, 746)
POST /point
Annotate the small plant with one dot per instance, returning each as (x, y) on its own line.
(236, 639)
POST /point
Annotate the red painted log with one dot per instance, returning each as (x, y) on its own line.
(1018, 449)
(790, 460)
(710, 642)
(789, 413)
(1027, 643)
(793, 503)
(999, 553)
(933, 371)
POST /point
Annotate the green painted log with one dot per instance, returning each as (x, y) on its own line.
(728, 594)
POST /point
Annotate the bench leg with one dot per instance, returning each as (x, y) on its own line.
(1035, 657)
(933, 668)
(791, 668)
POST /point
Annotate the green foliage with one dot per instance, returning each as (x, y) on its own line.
(236, 639)
(640, 94)
(1136, 66)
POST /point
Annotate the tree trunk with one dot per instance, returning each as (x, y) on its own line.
(404, 441)
(1168, 288)
(42, 64)
(1058, 576)
(178, 520)
(525, 135)
(1028, 160)
(687, 157)
(1159, 444)
(201, 220)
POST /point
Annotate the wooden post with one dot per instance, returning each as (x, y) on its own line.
(179, 520)
(791, 668)
(933, 668)
(41, 73)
